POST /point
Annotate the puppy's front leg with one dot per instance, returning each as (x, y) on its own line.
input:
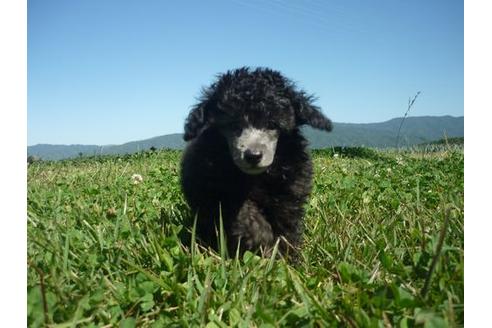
(251, 231)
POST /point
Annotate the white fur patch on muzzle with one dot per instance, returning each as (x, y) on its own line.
(253, 150)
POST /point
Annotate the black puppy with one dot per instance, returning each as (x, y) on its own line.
(247, 162)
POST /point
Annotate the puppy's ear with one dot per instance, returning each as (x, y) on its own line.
(195, 122)
(307, 113)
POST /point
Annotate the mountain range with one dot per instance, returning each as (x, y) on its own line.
(414, 130)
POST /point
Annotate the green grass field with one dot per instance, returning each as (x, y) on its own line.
(383, 248)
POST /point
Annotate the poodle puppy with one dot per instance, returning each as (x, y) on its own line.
(246, 160)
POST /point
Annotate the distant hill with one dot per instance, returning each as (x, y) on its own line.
(56, 152)
(415, 130)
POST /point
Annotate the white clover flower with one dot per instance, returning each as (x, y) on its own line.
(335, 155)
(137, 178)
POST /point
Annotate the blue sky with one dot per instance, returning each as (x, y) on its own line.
(109, 72)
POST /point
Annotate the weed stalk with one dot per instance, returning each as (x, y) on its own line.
(43, 290)
(440, 243)
(410, 104)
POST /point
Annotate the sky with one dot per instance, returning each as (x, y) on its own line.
(110, 72)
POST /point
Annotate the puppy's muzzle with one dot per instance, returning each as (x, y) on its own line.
(253, 149)
(253, 157)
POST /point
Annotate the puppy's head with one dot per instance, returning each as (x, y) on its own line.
(252, 110)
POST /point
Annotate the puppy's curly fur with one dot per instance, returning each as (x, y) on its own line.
(256, 209)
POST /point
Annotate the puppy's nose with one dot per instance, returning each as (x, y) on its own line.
(253, 157)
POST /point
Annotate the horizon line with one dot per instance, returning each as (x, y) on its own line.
(177, 133)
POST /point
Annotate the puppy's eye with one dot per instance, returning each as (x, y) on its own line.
(231, 125)
(230, 128)
(220, 117)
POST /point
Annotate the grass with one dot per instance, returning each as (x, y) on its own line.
(106, 252)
